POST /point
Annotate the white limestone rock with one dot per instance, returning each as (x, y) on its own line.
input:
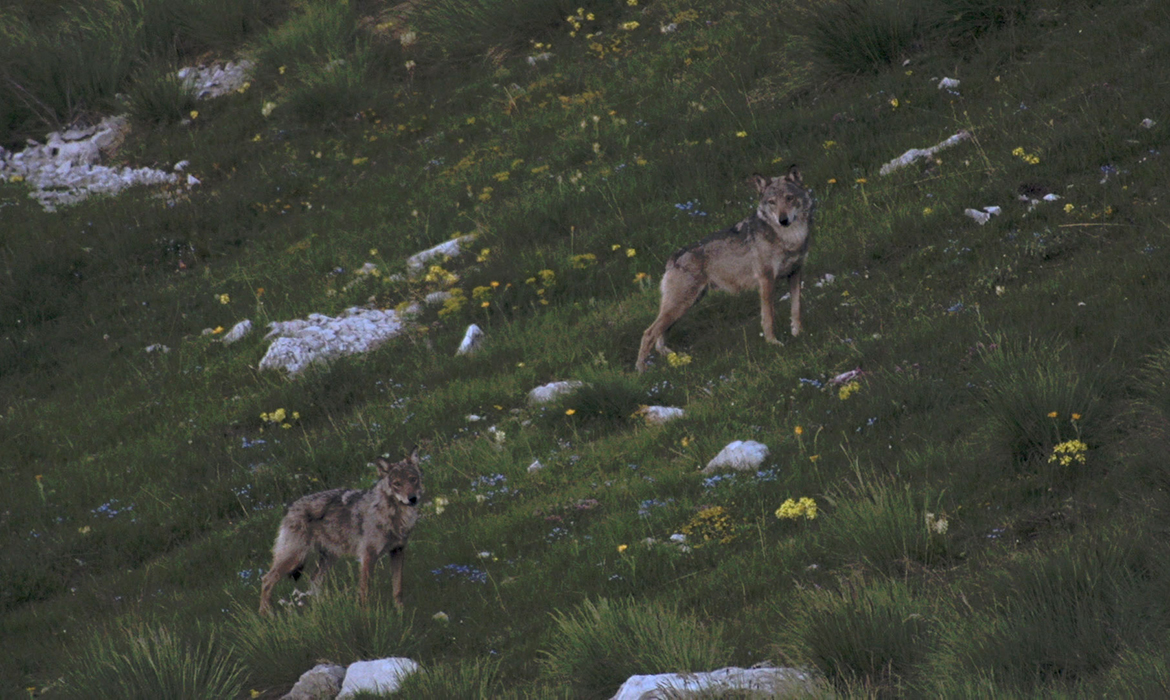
(764, 682)
(553, 390)
(915, 153)
(238, 332)
(380, 676)
(447, 249)
(741, 455)
(472, 340)
(320, 338)
(660, 415)
(322, 682)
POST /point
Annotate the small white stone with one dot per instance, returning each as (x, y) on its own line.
(741, 455)
(535, 466)
(552, 390)
(472, 340)
(660, 415)
(237, 332)
(381, 676)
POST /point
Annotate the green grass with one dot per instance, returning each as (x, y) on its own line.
(146, 487)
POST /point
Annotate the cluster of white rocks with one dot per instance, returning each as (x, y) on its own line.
(217, 79)
(66, 168)
(385, 676)
(319, 338)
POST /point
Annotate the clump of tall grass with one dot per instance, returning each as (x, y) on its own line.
(469, 679)
(971, 18)
(147, 663)
(885, 526)
(1036, 399)
(597, 646)
(868, 635)
(464, 30)
(325, 64)
(1062, 616)
(159, 96)
(53, 76)
(852, 37)
(336, 627)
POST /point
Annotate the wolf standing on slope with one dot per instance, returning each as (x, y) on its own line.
(341, 522)
(769, 245)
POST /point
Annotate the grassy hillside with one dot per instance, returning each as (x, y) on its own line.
(991, 492)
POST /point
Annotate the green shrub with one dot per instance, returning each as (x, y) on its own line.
(872, 636)
(335, 627)
(599, 645)
(148, 663)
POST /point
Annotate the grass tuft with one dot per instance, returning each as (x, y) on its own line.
(597, 646)
(332, 626)
(868, 635)
(145, 663)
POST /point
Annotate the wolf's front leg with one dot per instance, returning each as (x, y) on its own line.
(794, 295)
(767, 312)
(396, 556)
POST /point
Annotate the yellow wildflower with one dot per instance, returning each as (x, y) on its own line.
(622, 547)
(629, 26)
(225, 299)
(848, 390)
(799, 431)
(1076, 416)
(1068, 452)
(677, 359)
(570, 411)
(793, 509)
(1053, 414)
(740, 134)
(630, 252)
(194, 114)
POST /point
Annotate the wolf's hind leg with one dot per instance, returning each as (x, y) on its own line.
(678, 295)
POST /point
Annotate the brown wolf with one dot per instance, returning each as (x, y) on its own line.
(363, 524)
(768, 245)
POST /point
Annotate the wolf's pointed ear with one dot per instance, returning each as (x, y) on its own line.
(383, 466)
(793, 175)
(760, 182)
(414, 456)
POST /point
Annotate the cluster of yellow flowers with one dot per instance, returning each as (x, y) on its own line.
(278, 417)
(795, 509)
(678, 359)
(848, 390)
(710, 525)
(580, 262)
(436, 274)
(1069, 452)
(454, 303)
(1028, 158)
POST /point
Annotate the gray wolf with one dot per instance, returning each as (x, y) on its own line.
(770, 244)
(348, 522)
